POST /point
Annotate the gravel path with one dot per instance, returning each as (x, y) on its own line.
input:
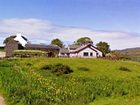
(2, 54)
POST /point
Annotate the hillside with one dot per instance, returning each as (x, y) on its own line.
(132, 53)
(92, 82)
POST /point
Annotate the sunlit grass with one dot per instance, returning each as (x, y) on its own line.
(94, 81)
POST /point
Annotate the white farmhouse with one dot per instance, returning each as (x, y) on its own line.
(83, 51)
(86, 51)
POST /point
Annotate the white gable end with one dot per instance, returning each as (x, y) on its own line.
(21, 40)
(99, 52)
(87, 53)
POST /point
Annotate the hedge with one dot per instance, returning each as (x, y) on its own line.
(29, 53)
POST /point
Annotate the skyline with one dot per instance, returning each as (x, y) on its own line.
(114, 21)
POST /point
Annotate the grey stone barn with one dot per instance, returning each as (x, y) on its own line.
(11, 45)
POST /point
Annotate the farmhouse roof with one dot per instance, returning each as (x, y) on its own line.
(73, 46)
(64, 50)
(85, 46)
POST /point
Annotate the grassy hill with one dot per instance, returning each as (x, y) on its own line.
(92, 82)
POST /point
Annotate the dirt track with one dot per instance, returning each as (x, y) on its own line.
(2, 54)
(2, 101)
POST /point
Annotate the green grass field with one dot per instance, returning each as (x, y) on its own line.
(93, 82)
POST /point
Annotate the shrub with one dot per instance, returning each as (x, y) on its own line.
(58, 69)
(122, 68)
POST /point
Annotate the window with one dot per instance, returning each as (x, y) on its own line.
(91, 54)
(97, 54)
(85, 54)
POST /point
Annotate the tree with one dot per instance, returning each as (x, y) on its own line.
(104, 47)
(83, 40)
(57, 42)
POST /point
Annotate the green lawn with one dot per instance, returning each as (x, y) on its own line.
(92, 82)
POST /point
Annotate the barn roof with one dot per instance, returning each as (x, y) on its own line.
(42, 46)
(21, 39)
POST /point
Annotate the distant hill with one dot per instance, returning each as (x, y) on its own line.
(132, 53)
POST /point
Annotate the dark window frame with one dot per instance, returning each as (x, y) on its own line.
(91, 54)
(86, 54)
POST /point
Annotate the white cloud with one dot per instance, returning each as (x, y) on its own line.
(42, 31)
(27, 26)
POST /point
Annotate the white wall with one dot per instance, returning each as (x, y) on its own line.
(63, 55)
(73, 55)
(19, 38)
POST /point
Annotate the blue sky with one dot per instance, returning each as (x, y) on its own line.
(114, 21)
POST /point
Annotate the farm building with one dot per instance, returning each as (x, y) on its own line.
(15, 42)
(64, 52)
(19, 42)
(52, 50)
